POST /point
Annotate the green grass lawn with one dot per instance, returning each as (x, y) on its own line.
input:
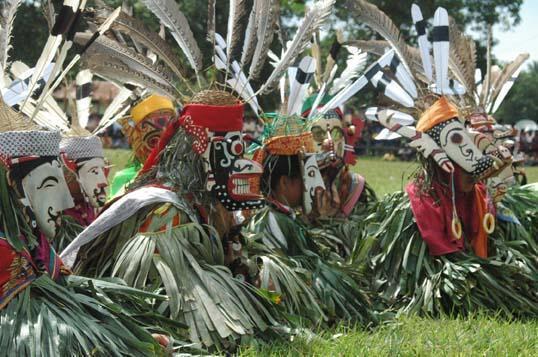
(389, 176)
(474, 336)
(383, 176)
(477, 336)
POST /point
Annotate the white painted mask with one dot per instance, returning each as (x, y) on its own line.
(91, 175)
(313, 181)
(452, 137)
(47, 195)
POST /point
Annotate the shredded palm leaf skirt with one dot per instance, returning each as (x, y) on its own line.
(522, 202)
(85, 317)
(338, 236)
(69, 230)
(186, 264)
(313, 287)
(407, 279)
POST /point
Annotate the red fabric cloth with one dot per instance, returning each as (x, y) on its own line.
(16, 272)
(19, 269)
(83, 213)
(434, 217)
(216, 117)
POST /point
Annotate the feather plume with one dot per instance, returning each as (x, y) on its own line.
(8, 12)
(354, 64)
(54, 80)
(322, 91)
(62, 27)
(171, 16)
(18, 89)
(266, 14)
(441, 50)
(249, 43)
(382, 24)
(136, 29)
(118, 72)
(486, 83)
(316, 16)
(379, 48)
(316, 53)
(423, 43)
(507, 73)
(51, 115)
(238, 80)
(461, 56)
(300, 83)
(48, 13)
(110, 48)
(333, 54)
(494, 75)
(235, 16)
(45, 118)
(83, 82)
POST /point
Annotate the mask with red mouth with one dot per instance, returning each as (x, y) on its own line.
(233, 180)
(216, 131)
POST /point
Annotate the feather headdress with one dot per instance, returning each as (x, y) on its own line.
(29, 89)
(115, 61)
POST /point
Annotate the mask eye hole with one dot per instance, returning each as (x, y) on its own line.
(318, 133)
(456, 138)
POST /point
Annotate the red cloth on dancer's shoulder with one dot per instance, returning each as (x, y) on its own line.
(433, 214)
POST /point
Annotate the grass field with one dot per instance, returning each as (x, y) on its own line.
(383, 176)
(474, 336)
(411, 336)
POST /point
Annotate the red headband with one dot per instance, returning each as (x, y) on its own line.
(196, 118)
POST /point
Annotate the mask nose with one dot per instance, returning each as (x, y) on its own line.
(328, 143)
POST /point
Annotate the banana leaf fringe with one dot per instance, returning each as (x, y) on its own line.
(48, 319)
(337, 237)
(186, 264)
(313, 288)
(407, 279)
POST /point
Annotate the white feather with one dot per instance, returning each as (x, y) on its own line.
(298, 90)
(441, 53)
(423, 43)
(322, 91)
(354, 65)
(83, 104)
(504, 91)
(315, 18)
